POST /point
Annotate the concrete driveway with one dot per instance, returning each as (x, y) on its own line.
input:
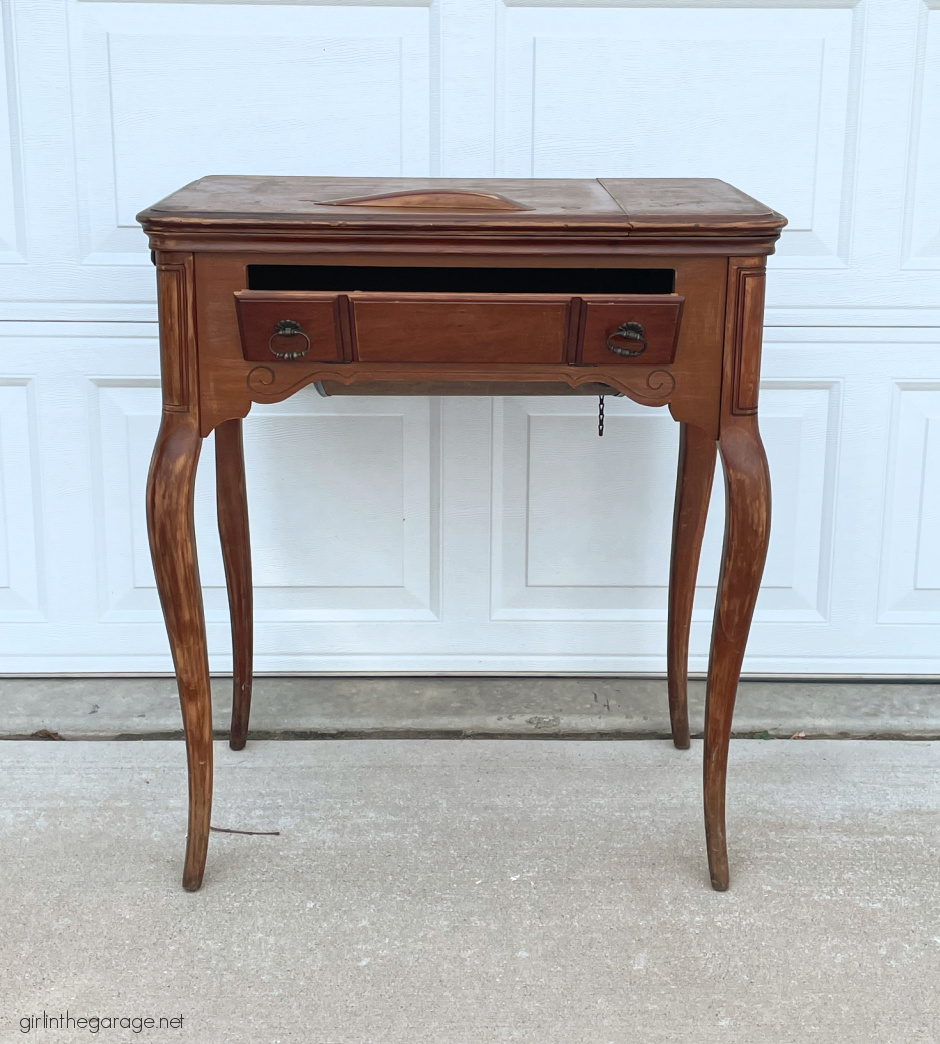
(444, 892)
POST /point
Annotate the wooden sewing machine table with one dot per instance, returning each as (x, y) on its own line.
(652, 288)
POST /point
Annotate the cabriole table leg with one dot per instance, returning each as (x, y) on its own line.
(170, 488)
(747, 530)
(697, 454)
(232, 504)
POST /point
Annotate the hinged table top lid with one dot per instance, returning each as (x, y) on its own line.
(648, 206)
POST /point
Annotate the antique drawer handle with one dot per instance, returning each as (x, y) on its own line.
(628, 332)
(288, 328)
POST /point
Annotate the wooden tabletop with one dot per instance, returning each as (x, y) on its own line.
(650, 206)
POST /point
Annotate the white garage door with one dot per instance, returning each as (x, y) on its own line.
(471, 534)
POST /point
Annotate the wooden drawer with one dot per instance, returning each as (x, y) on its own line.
(460, 328)
(317, 318)
(476, 329)
(637, 329)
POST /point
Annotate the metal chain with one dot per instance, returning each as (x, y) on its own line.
(600, 416)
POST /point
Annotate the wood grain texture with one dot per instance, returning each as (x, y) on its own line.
(456, 244)
(698, 207)
(176, 305)
(690, 384)
(746, 287)
(431, 199)
(318, 314)
(170, 527)
(232, 507)
(460, 328)
(747, 532)
(677, 205)
(698, 452)
(399, 327)
(660, 316)
(648, 386)
(714, 239)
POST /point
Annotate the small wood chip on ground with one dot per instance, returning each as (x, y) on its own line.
(798, 735)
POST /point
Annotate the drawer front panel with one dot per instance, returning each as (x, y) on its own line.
(640, 330)
(482, 329)
(460, 328)
(290, 327)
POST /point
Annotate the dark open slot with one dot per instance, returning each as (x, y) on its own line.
(348, 278)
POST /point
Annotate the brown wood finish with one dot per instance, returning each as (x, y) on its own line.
(702, 360)
(747, 290)
(171, 531)
(674, 208)
(176, 304)
(170, 489)
(455, 328)
(232, 505)
(439, 199)
(319, 315)
(691, 384)
(659, 316)
(460, 328)
(747, 531)
(698, 452)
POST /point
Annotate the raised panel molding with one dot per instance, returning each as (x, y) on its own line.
(646, 92)
(107, 104)
(800, 422)
(838, 421)
(344, 503)
(695, 4)
(281, 3)
(909, 589)
(922, 210)
(582, 525)
(20, 571)
(165, 94)
(12, 244)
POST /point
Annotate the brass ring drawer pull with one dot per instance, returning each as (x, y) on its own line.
(628, 332)
(288, 328)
